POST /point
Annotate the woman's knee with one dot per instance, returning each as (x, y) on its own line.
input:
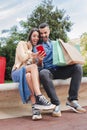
(31, 67)
(28, 76)
(34, 66)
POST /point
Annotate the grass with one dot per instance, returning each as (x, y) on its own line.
(8, 81)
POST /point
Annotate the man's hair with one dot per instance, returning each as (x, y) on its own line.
(43, 25)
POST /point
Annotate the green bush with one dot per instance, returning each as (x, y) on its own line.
(85, 70)
(8, 51)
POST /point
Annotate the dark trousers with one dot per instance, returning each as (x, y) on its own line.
(74, 72)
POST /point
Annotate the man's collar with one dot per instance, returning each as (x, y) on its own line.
(48, 42)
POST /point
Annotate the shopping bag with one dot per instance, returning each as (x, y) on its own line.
(71, 54)
(58, 57)
(2, 69)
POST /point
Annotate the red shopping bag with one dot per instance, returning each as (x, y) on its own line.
(2, 69)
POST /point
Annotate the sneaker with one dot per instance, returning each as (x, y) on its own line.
(43, 104)
(74, 105)
(36, 114)
(56, 111)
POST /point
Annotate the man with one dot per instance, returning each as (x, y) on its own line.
(50, 71)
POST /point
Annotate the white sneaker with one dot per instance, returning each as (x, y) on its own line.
(56, 111)
(74, 105)
(36, 115)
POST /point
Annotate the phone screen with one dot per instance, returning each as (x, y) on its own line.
(40, 48)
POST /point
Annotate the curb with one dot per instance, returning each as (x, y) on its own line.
(14, 86)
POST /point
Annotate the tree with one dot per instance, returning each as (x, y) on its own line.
(58, 22)
(84, 42)
(8, 51)
(84, 51)
(45, 12)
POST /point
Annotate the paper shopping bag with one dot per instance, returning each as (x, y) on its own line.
(71, 54)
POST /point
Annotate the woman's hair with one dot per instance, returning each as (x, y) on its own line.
(30, 33)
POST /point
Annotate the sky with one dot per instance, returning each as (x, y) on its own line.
(12, 11)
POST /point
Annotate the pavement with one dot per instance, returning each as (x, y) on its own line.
(68, 121)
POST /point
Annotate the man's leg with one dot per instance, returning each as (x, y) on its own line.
(74, 72)
(46, 80)
(75, 82)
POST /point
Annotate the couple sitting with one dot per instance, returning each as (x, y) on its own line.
(29, 62)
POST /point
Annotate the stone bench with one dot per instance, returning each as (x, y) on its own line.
(14, 86)
(9, 93)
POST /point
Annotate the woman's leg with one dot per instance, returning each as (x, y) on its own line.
(41, 101)
(29, 81)
(36, 115)
(35, 78)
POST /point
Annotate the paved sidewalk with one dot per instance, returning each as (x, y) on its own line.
(68, 121)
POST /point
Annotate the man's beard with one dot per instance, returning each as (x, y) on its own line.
(42, 38)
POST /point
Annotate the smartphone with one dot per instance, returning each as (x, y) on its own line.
(40, 48)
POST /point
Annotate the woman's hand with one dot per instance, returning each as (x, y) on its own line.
(35, 55)
(39, 55)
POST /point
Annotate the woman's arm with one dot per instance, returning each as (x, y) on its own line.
(23, 52)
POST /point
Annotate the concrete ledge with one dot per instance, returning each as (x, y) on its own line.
(67, 81)
(8, 86)
(14, 86)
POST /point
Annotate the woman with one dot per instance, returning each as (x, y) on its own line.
(25, 72)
